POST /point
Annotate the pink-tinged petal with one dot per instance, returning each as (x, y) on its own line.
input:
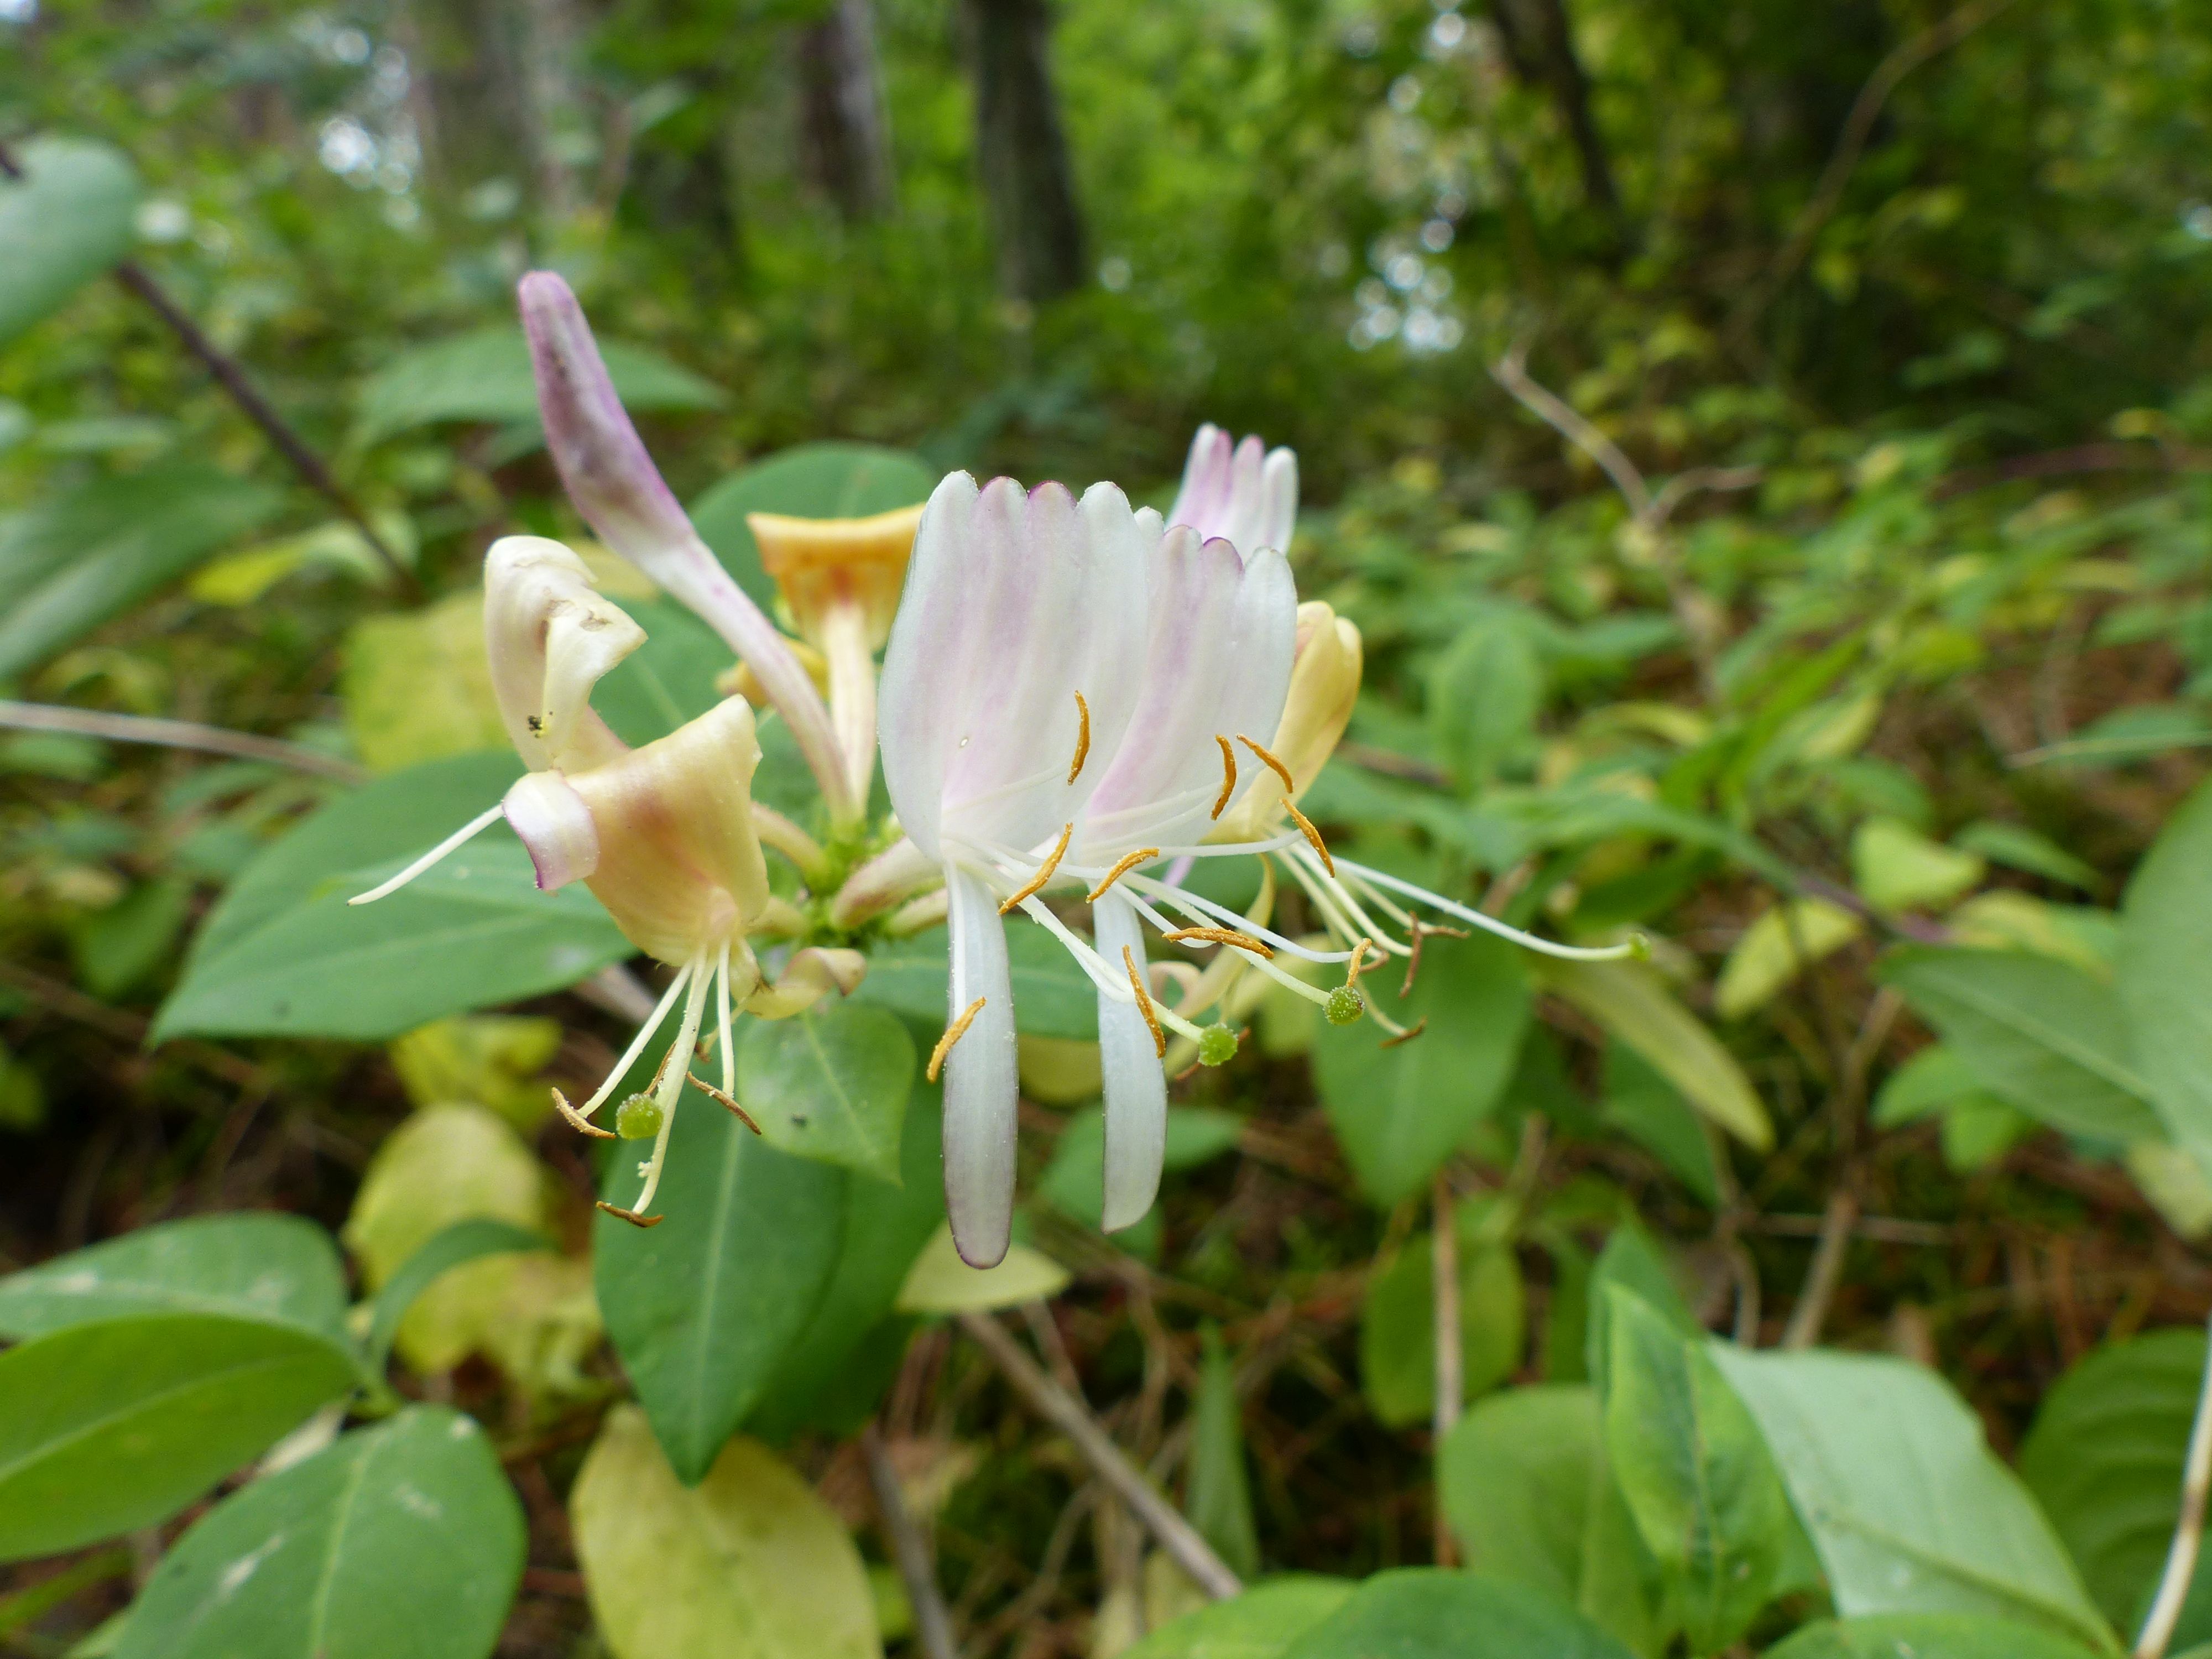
(1279, 489)
(1014, 603)
(1204, 496)
(549, 637)
(1242, 493)
(1218, 660)
(554, 823)
(1136, 1088)
(615, 485)
(980, 1079)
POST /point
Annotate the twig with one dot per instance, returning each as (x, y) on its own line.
(126, 1027)
(1443, 1257)
(1072, 1419)
(1811, 1312)
(2188, 1532)
(232, 377)
(175, 734)
(932, 1622)
(1512, 372)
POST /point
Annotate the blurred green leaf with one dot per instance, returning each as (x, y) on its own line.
(1926, 1636)
(485, 376)
(2165, 975)
(1895, 867)
(1398, 1326)
(1632, 1003)
(1780, 945)
(1053, 996)
(808, 480)
(830, 1084)
(1426, 1613)
(1218, 1499)
(304, 1563)
(939, 1282)
(451, 1246)
(1258, 1624)
(67, 221)
(117, 948)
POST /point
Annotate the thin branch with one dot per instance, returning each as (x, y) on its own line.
(932, 1622)
(175, 734)
(1512, 372)
(231, 375)
(2188, 1532)
(1826, 1272)
(1072, 1418)
(1451, 1381)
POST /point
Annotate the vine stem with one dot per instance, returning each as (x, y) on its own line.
(175, 734)
(932, 1622)
(2188, 1531)
(1072, 1418)
(1450, 1378)
(231, 375)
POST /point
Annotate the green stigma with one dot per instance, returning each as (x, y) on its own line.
(638, 1118)
(1345, 1005)
(1217, 1046)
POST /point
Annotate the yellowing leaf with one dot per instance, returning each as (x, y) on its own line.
(492, 1059)
(750, 1563)
(246, 575)
(1778, 947)
(418, 686)
(445, 1164)
(1633, 1004)
(1895, 867)
(1060, 1071)
(939, 1282)
(2175, 1184)
(2008, 920)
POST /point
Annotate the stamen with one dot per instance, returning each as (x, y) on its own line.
(631, 1216)
(577, 1119)
(637, 1043)
(1352, 968)
(1036, 882)
(1128, 863)
(1504, 930)
(1312, 835)
(722, 1030)
(1269, 762)
(1082, 738)
(1405, 1036)
(474, 827)
(1421, 930)
(1228, 775)
(723, 1097)
(1145, 1003)
(953, 1033)
(1220, 936)
(669, 1088)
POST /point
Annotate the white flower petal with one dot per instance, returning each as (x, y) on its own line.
(1136, 1087)
(549, 637)
(1205, 493)
(980, 1082)
(554, 823)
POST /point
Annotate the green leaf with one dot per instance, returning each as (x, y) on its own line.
(1397, 1326)
(667, 681)
(1630, 1259)
(1641, 1103)
(108, 1427)
(939, 1282)
(417, 686)
(1632, 1003)
(1909, 1510)
(1400, 1112)
(67, 221)
(1776, 948)
(808, 480)
(1074, 1182)
(1053, 996)
(2105, 1460)
(462, 1242)
(703, 1308)
(2018, 847)
(2165, 978)
(1926, 1636)
(1257, 1624)
(1484, 695)
(91, 553)
(285, 955)
(1524, 1483)
(117, 948)
(273, 1267)
(1426, 1612)
(2039, 1032)
(1895, 867)
(1219, 1497)
(747, 1563)
(485, 376)
(832, 1376)
(1693, 1472)
(830, 1084)
(401, 1542)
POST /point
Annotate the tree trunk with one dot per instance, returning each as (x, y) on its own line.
(844, 131)
(1020, 151)
(1540, 42)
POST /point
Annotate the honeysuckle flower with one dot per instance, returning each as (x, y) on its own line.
(664, 836)
(841, 579)
(614, 483)
(1245, 494)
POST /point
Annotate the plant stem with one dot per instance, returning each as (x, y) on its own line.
(2188, 1532)
(175, 734)
(1826, 1272)
(1072, 1419)
(1451, 1382)
(933, 1623)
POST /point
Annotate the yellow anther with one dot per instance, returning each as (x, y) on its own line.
(1036, 883)
(953, 1033)
(632, 1216)
(1352, 968)
(1407, 1035)
(1228, 775)
(1082, 738)
(1268, 761)
(577, 1119)
(1119, 870)
(1220, 936)
(1145, 1003)
(1312, 835)
(1290, 788)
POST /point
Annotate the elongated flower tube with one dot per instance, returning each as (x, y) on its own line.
(664, 836)
(1244, 493)
(841, 579)
(615, 485)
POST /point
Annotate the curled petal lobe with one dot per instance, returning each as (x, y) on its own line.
(1136, 1087)
(549, 638)
(809, 976)
(555, 825)
(980, 1077)
(820, 564)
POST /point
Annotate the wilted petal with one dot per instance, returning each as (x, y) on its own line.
(809, 976)
(555, 826)
(980, 1080)
(549, 637)
(1136, 1088)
